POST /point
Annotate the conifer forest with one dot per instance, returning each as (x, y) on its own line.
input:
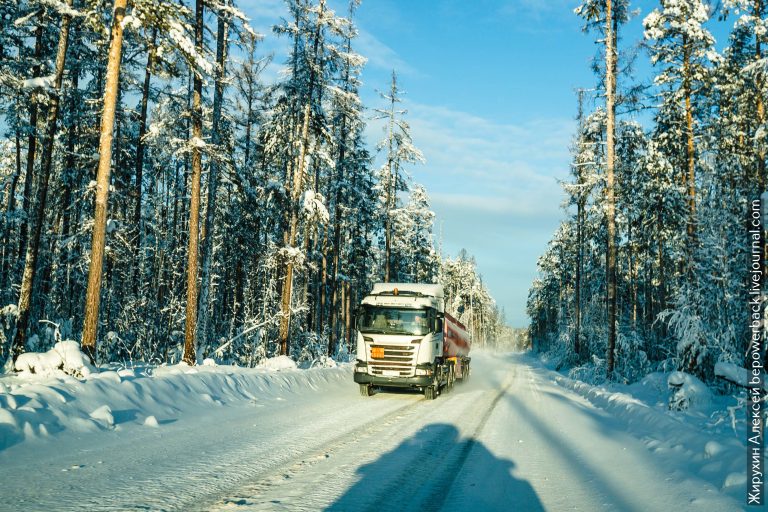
(162, 202)
(649, 270)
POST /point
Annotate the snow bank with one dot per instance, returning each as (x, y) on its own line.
(691, 440)
(58, 392)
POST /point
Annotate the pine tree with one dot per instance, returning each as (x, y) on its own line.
(682, 46)
(400, 151)
(90, 322)
(593, 11)
(196, 142)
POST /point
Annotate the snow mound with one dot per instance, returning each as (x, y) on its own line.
(279, 363)
(104, 416)
(65, 357)
(687, 392)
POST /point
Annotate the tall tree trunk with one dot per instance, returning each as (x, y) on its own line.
(213, 179)
(140, 162)
(31, 141)
(93, 291)
(336, 259)
(66, 203)
(33, 247)
(579, 241)
(610, 90)
(298, 180)
(194, 203)
(391, 184)
(690, 146)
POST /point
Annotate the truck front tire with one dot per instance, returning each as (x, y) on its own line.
(366, 390)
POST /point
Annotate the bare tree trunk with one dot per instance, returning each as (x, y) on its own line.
(33, 247)
(194, 203)
(213, 180)
(391, 184)
(140, 161)
(93, 292)
(66, 203)
(31, 141)
(579, 242)
(610, 90)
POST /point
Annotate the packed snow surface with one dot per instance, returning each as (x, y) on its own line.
(517, 436)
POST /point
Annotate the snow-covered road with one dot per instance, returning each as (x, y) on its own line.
(509, 439)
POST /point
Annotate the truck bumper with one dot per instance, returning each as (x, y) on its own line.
(417, 381)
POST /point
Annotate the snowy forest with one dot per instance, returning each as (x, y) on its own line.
(163, 202)
(649, 270)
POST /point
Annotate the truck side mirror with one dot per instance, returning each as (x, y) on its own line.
(439, 324)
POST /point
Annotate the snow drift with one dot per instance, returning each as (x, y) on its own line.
(59, 391)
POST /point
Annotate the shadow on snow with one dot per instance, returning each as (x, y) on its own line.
(435, 470)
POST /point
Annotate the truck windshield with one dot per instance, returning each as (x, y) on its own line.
(382, 320)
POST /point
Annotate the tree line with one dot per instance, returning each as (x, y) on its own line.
(649, 269)
(161, 202)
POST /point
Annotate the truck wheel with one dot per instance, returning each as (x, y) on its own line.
(429, 392)
(451, 377)
(366, 390)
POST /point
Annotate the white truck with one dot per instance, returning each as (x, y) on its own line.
(405, 339)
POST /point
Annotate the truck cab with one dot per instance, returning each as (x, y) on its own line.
(400, 339)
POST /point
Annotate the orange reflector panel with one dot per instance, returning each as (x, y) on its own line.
(377, 352)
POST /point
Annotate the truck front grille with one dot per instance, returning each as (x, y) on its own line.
(397, 360)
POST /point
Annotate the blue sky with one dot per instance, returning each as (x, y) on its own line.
(490, 97)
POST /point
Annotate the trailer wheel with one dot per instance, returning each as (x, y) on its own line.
(451, 377)
(366, 390)
(430, 392)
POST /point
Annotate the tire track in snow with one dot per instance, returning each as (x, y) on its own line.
(283, 473)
